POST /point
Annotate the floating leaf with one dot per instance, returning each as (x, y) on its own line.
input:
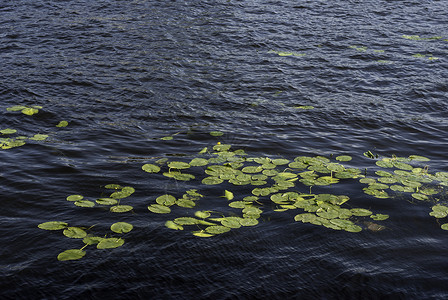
(30, 111)
(344, 158)
(166, 138)
(75, 197)
(39, 137)
(202, 214)
(228, 195)
(178, 165)
(16, 108)
(217, 229)
(106, 201)
(53, 225)
(212, 180)
(110, 243)
(166, 200)
(360, 212)
(74, 232)
(159, 209)
(150, 168)
(121, 227)
(202, 233)
(92, 240)
(197, 162)
(379, 217)
(186, 221)
(113, 186)
(418, 158)
(62, 124)
(71, 254)
(84, 203)
(8, 131)
(444, 226)
(231, 222)
(248, 221)
(419, 196)
(121, 208)
(172, 225)
(216, 133)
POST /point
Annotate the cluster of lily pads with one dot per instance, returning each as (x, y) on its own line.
(17, 141)
(113, 200)
(270, 181)
(88, 239)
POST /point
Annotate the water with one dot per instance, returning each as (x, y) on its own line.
(126, 73)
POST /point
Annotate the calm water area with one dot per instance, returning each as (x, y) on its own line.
(142, 81)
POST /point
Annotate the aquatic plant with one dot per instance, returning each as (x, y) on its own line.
(25, 109)
(81, 233)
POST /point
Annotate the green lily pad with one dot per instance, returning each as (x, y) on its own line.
(159, 209)
(39, 137)
(444, 226)
(74, 232)
(248, 221)
(216, 133)
(344, 158)
(186, 221)
(106, 201)
(92, 240)
(110, 243)
(75, 197)
(62, 124)
(217, 229)
(150, 168)
(185, 203)
(419, 196)
(280, 161)
(172, 225)
(361, 212)
(121, 208)
(121, 227)
(53, 225)
(166, 200)
(178, 165)
(212, 180)
(84, 203)
(202, 214)
(252, 169)
(8, 131)
(71, 254)
(202, 233)
(16, 108)
(231, 222)
(30, 111)
(197, 162)
(379, 217)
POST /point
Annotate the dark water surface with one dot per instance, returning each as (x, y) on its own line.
(126, 73)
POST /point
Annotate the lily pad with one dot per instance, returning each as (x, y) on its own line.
(178, 165)
(121, 227)
(197, 162)
(361, 212)
(344, 158)
(106, 201)
(216, 133)
(74, 232)
(75, 197)
(159, 209)
(217, 229)
(171, 225)
(84, 203)
(150, 168)
(121, 208)
(53, 225)
(110, 243)
(62, 124)
(92, 240)
(71, 254)
(8, 131)
(166, 200)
